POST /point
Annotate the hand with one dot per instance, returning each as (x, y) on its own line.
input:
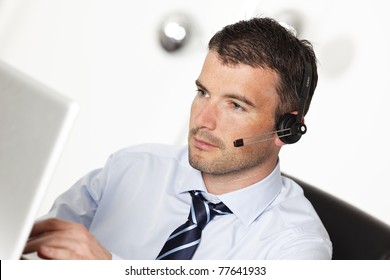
(58, 239)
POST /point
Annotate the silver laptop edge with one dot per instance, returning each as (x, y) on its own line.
(35, 122)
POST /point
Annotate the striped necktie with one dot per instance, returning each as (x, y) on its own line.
(182, 243)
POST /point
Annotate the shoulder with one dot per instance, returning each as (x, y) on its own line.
(293, 201)
(291, 185)
(297, 230)
(151, 152)
(141, 166)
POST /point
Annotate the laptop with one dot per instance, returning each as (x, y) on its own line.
(35, 122)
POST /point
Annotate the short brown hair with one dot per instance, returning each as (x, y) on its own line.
(263, 42)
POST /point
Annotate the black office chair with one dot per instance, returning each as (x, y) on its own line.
(355, 234)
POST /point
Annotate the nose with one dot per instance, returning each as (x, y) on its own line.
(204, 115)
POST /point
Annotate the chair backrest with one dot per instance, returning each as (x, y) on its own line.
(355, 234)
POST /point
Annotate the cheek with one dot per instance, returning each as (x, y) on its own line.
(193, 111)
(242, 126)
(252, 128)
(233, 130)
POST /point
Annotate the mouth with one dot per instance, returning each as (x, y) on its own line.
(202, 144)
(204, 141)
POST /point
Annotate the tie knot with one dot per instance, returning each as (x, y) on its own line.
(203, 211)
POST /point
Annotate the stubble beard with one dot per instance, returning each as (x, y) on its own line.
(228, 161)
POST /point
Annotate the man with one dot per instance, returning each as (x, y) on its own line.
(256, 76)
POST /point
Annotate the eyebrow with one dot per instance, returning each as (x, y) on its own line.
(229, 95)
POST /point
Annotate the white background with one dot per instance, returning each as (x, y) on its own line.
(226, 270)
(105, 55)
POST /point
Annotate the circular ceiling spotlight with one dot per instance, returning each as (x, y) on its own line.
(174, 32)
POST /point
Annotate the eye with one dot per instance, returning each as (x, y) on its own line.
(201, 93)
(237, 106)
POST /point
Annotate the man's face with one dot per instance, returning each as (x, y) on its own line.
(232, 102)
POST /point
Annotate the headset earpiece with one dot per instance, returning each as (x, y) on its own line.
(285, 127)
(290, 127)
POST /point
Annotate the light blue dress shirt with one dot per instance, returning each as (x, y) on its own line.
(140, 196)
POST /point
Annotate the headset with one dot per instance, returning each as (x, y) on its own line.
(289, 127)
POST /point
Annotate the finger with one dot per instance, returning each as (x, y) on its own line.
(48, 225)
(50, 239)
(54, 233)
(57, 253)
(57, 239)
(63, 246)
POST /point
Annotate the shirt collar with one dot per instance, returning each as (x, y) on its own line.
(247, 203)
(250, 202)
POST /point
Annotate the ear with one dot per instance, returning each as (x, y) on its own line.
(278, 142)
(296, 113)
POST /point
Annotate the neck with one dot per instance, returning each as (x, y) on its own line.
(229, 182)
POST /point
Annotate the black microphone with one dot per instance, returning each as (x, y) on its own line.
(296, 129)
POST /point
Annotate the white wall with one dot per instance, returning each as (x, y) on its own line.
(105, 55)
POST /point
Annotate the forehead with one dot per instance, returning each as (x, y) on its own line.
(255, 83)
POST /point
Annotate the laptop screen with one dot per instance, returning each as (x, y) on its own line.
(35, 122)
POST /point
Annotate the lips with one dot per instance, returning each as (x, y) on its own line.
(203, 140)
(202, 144)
